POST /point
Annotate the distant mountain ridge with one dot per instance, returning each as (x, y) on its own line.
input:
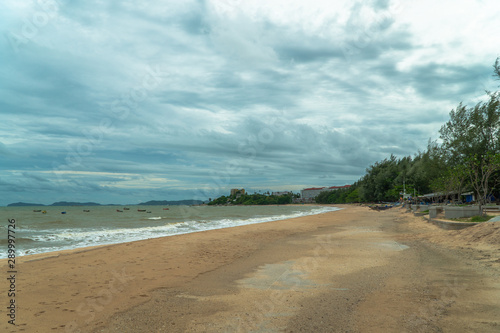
(148, 203)
(59, 203)
(23, 204)
(66, 203)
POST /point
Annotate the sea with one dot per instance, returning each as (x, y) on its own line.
(51, 228)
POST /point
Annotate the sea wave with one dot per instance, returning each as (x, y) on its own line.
(65, 239)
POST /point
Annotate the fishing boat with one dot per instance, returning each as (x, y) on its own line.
(119, 211)
(44, 212)
(141, 210)
(86, 210)
(126, 208)
(63, 212)
(166, 208)
(149, 212)
(37, 210)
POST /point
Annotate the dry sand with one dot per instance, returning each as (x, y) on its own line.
(353, 270)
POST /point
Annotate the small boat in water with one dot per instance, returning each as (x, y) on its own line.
(166, 208)
(119, 211)
(37, 210)
(149, 212)
(44, 212)
(126, 208)
(141, 210)
(63, 212)
(86, 210)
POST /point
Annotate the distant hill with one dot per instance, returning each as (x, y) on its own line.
(60, 203)
(149, 203)
(66, 203)
(171, 203)
(23, 204)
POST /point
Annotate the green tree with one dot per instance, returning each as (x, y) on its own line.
(451, 182)
(376, 185)
(472, 138)
(219, 201)
(353, 196)
(472, 131)
(480, 171)
(253, 199)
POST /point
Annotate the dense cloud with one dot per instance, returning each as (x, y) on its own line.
(126, 102)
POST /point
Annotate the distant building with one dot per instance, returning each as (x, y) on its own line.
(308, 194)
(237, 192)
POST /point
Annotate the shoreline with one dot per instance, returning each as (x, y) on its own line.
(81, 288)
(275, 274)
(39, 256)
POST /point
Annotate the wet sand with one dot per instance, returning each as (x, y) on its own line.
(353, 270)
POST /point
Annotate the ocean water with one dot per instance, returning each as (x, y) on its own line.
(99, 225)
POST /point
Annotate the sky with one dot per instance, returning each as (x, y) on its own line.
(127, 101)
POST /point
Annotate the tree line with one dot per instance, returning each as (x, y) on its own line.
(466, 159)
(254, 199)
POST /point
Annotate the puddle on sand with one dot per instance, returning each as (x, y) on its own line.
(357, 230)
(280, 276)
(390, 245)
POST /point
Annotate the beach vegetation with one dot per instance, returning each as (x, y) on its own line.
(388, 179)
(480, 218)
(340, 196)
(471, 145)
(476, 218)
(254, 199)
(467, 159)
(223, 200)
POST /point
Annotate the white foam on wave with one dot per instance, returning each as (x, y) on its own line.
(67, 239)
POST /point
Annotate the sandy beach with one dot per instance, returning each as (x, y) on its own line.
(353, 270)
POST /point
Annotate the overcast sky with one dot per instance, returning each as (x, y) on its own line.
(128, 101)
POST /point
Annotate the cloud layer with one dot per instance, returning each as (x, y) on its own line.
(125, 102)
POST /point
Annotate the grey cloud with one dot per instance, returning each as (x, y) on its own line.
(381, 4)
(307, 50)
(4, 150)
(281, 104)
(35, 177)
(437, 81)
